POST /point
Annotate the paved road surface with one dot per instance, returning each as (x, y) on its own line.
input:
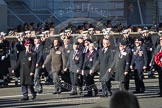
(9, 97)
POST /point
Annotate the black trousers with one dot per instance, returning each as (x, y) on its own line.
(25, 90)
(74, 81)
(124, 83)
(106, 87)
(139, 80)
(89, 81)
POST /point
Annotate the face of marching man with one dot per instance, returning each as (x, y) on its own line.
(36, 41)
(55, 42)
(122, 47)
(75, 46)
(106, 43)
(91, 47)
(27, 46)
(66, 41)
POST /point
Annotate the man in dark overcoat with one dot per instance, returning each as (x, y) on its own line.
(89, 60)
(26, 62)
(120, 66)
(106, 56)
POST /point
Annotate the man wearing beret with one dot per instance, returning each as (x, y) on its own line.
(26, 62)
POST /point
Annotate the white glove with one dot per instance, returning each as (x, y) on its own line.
(3, 57)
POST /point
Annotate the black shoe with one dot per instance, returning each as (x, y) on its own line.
(40, 91)
(34, 97)
(136, 92)
(88, 95)
(143, 90)
(110, 93)
(5, 83)
(80, 92)
(104, 95)
(56, 92)
(24, 99)
(16, 83)
(96, 92)
(73, 93)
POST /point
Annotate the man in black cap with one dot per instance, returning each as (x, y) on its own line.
(139, 64)
(147, 42)
(120, 66)
(74, 65)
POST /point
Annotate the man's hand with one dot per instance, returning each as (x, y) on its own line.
(91, 72)
(65, 69)
(13, 71)
(36, 65)
(31, 74)
(82, 72)
(109, 70)
(43, 66)
(78, 71)
(125, 73)
(150, 64)
(144, 67)
(131, 67)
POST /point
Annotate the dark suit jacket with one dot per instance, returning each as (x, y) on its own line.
(67, 52)
(104, 61)
(75, 63)
(38, 54)
(89, 60)
(120, 64)
(140, 59)
(26, 62)
(47, 45)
